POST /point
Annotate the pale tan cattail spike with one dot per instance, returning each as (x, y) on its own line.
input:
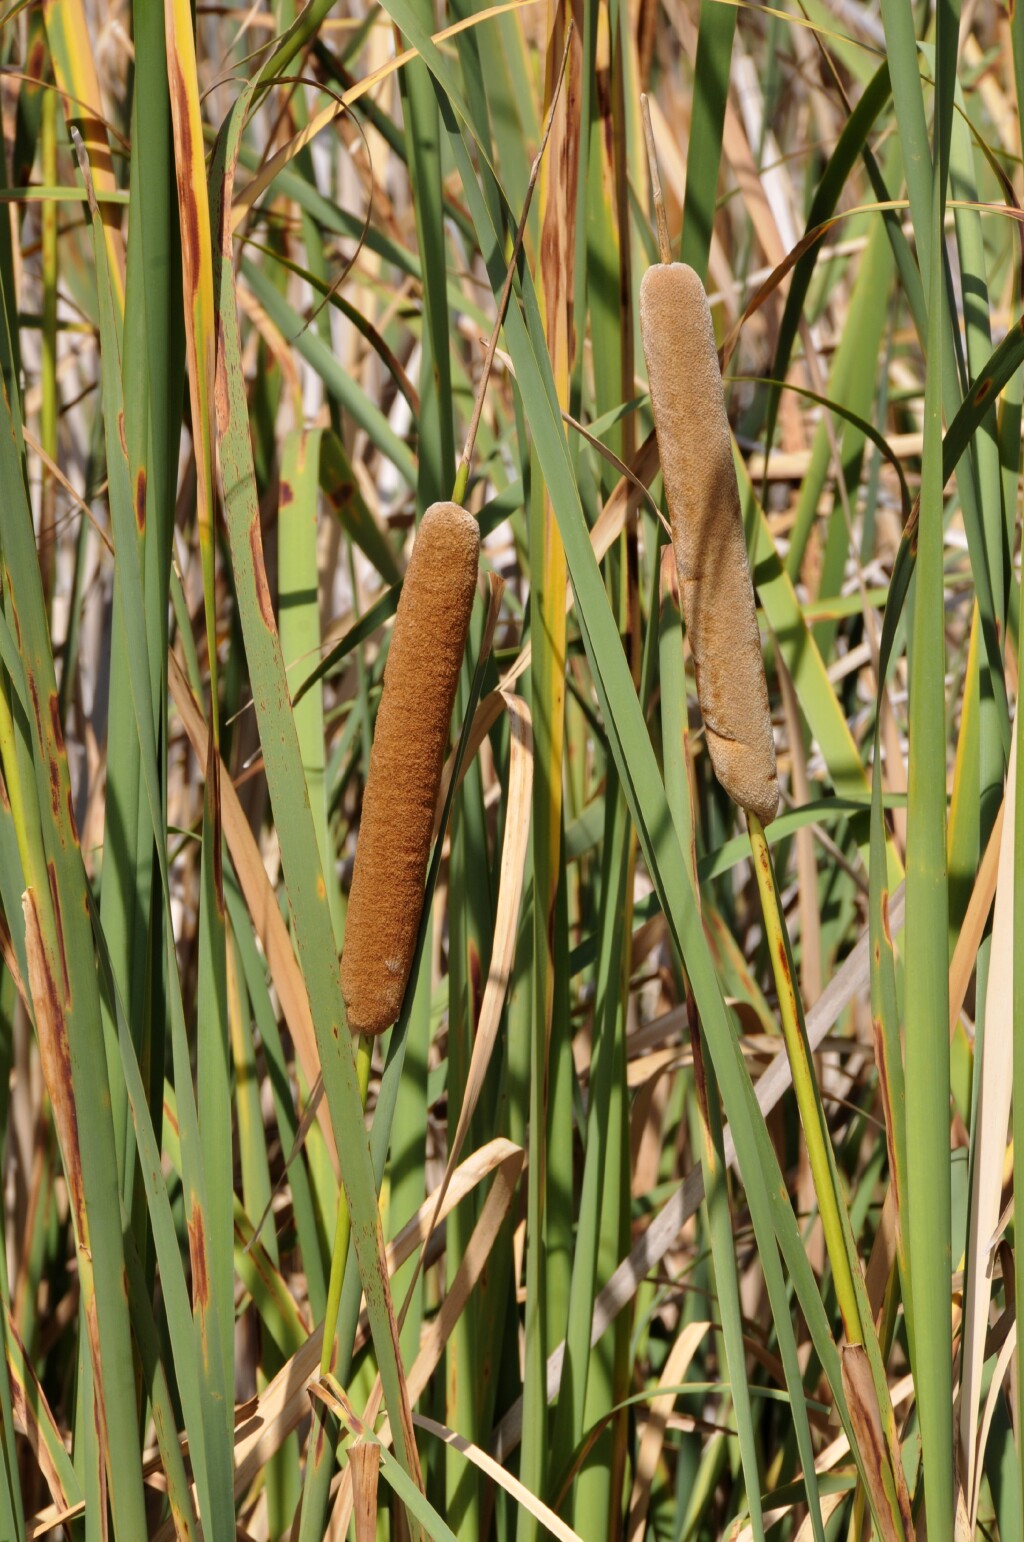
(409, 743)
(707, 533)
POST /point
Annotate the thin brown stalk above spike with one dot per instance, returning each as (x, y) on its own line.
(420, 680)
(707, 534)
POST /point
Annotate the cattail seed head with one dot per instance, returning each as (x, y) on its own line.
(406, 761)
(707, 534)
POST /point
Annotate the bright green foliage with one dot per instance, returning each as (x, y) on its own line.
(248, 269)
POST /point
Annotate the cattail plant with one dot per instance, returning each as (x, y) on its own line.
(695, 447)
(420, 680)
(718, 605)
(407, 757)
(707, 534)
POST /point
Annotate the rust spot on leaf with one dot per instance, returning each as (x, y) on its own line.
(54, 771)
(287, 494)
(58, 732)
(885, 917)
(121, 434)
(983, 388)
(340, 493)
(321, 887)
(140, 498)
(260, 574)
(197, 1252)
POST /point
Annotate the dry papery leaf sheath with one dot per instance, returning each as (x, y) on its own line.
(707, 534)
(420, 680)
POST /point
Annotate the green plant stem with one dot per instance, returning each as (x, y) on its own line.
(48, 361)
(804, 1084)
(343, 1226)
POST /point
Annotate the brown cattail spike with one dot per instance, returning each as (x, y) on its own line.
(406, 761)
(707, 534)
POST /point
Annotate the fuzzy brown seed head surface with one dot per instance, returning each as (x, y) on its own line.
(707, 534)
(406, 760)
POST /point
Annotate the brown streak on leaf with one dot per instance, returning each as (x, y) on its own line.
(221, 395)
(287, 494)
(33, 692)
(864, 1416)
(54, 773)
(58, 921)
(140, 499)
(197, 1252)
(92, 1325)
(885, 917)
(171, 1119)
(603, 107)
(364, 1460)
(260, 574)
(36, 60)
(32, 1412)
(14, 608)
(98, 1400)
(55, 1056)
(187, 209)
(72, 822)
(883, 1078)
(58, 732)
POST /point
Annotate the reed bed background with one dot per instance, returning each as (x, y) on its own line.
(677, 1204)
